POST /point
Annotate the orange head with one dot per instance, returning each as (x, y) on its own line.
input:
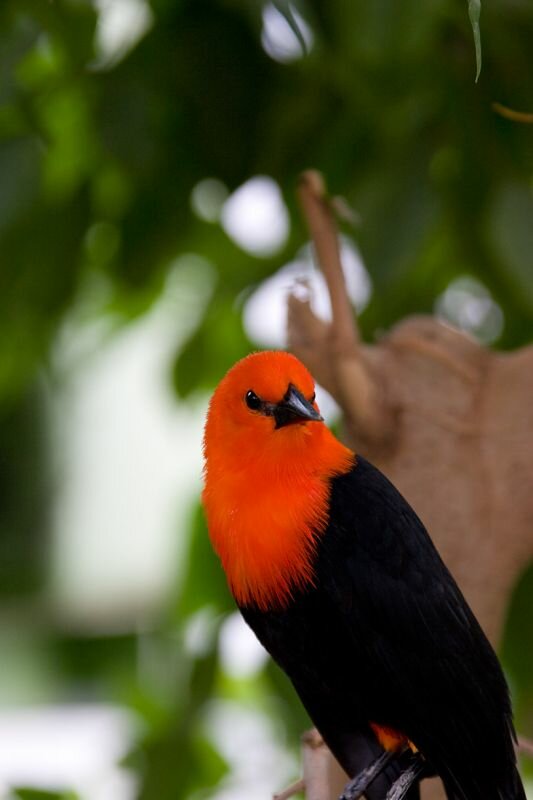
(268, 461)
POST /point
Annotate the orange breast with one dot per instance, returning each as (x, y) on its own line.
(265, 538)
(264, 518)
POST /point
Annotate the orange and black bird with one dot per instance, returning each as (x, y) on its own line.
(339, 580)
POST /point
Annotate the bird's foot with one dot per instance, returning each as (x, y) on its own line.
(357, 786)
(412, 773)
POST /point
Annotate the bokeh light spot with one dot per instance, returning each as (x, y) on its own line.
(468, 304)
(200, 631)
(256, 217)
(279, 40)
(121, 24)
(208, 198)
(241, 655)
(265, 312)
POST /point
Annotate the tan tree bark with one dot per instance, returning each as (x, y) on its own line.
(448, 420)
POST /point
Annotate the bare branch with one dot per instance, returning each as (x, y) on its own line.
(509, 113)
(334, 352)
(323, 778)
(422, 399)
(309, 339)
(290, 791)
(323, 229)
(525, 746)
(316, 759)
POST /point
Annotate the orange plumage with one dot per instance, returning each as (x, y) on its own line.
(265, 498)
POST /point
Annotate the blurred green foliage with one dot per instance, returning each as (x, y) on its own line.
(99, 154)
(41, 794)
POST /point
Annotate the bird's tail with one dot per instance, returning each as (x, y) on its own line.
(517, 788)
(512, 790)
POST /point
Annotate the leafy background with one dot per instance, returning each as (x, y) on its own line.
(124, 126)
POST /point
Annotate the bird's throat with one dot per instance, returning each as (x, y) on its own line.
(264, 523)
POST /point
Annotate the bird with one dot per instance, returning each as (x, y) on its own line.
(341, 583)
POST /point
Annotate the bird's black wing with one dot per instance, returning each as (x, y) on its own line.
(424, 666)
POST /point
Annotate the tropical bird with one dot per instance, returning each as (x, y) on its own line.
(338, 578)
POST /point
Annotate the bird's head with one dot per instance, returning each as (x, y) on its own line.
(269, 458)
(264, 405)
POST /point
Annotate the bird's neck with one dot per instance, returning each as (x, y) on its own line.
(264, 516)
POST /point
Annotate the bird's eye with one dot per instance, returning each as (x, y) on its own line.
(252, 400)
(312, 398)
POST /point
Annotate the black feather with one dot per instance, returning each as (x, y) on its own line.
(384, 635)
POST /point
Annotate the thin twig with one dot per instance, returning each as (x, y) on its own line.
(290, 791)
(525, 746)
(352, 382)
(320, 219)
(510, 113)
(316, 760)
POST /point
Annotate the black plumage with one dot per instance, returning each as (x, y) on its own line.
(384, 635)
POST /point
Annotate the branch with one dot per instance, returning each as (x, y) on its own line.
(334, 352)
(323, 229)
(316, 760)
(290, 791)
(525, 746)
(510, 113)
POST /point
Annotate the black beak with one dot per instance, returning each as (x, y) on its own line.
(294, 408)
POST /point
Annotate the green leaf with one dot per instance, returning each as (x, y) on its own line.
(474, 11)
(285, 9)
(24, 793)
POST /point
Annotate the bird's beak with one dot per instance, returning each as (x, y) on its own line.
(294, 408)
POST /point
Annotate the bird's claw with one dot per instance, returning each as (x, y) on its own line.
(357, 786)
(412, 773)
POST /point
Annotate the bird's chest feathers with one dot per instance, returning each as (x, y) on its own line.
(265, 532)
